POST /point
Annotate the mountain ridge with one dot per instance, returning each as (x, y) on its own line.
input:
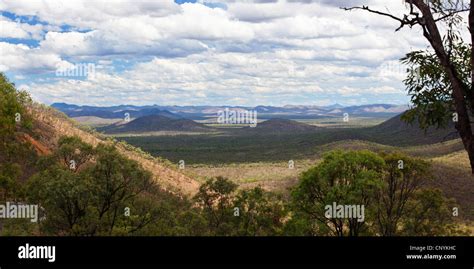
(153, 123)
(204, 112)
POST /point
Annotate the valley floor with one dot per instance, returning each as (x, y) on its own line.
(450, 168)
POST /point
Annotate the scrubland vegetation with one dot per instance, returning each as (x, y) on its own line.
(89, 189)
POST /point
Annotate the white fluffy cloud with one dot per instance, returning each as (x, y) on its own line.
(20, 57)
(88, 13)
(250, 51)
(12, 29)
(226, 78)
(349, 91)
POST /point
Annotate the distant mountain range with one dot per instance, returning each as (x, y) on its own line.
(210, 112)
(114, 112)
(276, 120)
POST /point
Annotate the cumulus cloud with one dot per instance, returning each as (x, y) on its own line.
(21, 30)
(246, 51)
(350, 91)
(13, 29)
(20, 57)
(209, 79)
(87, 14)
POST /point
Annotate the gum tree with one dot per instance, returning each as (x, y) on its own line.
(346, 178)
(390, 186)
(403, 178)
(445, 82)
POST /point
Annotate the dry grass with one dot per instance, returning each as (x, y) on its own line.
(275, 176)
(452, 174)
(423, 151)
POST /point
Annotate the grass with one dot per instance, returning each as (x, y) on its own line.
(354, 122)
(452, 174)
(275, 176)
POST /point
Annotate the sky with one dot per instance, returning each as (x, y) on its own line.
(206, 52)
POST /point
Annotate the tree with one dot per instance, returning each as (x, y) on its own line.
(92, 200)
(344, 178)
(116, 182)
(9, 174)
(260, 213)
(402, 178)
(429, 86)
(429, 214)
(431, 16)
(72, 152)
(65, 197)
(252, 212)
(390, 186)
(215, 197)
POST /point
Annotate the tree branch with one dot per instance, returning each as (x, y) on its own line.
(403, 21)
(451, 14)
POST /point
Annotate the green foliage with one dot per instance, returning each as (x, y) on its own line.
(428, 214)
(90, 201)
(117, 180)
(108, 195)
(403, 176)
(11, 103)
(427, 80)
(65, 197)
(429, 86)
(13, 152)
(215, 197)
(112, 195)
(9, 175)
(388, 185)
(253, 212)
(259, 213)
(345, 178)
(73, 149)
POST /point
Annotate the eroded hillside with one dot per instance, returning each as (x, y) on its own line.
(49, 125)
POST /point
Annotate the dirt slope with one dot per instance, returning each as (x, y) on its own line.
(50, 125)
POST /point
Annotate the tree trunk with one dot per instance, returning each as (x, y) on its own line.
(431, 33)
(471, 31)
